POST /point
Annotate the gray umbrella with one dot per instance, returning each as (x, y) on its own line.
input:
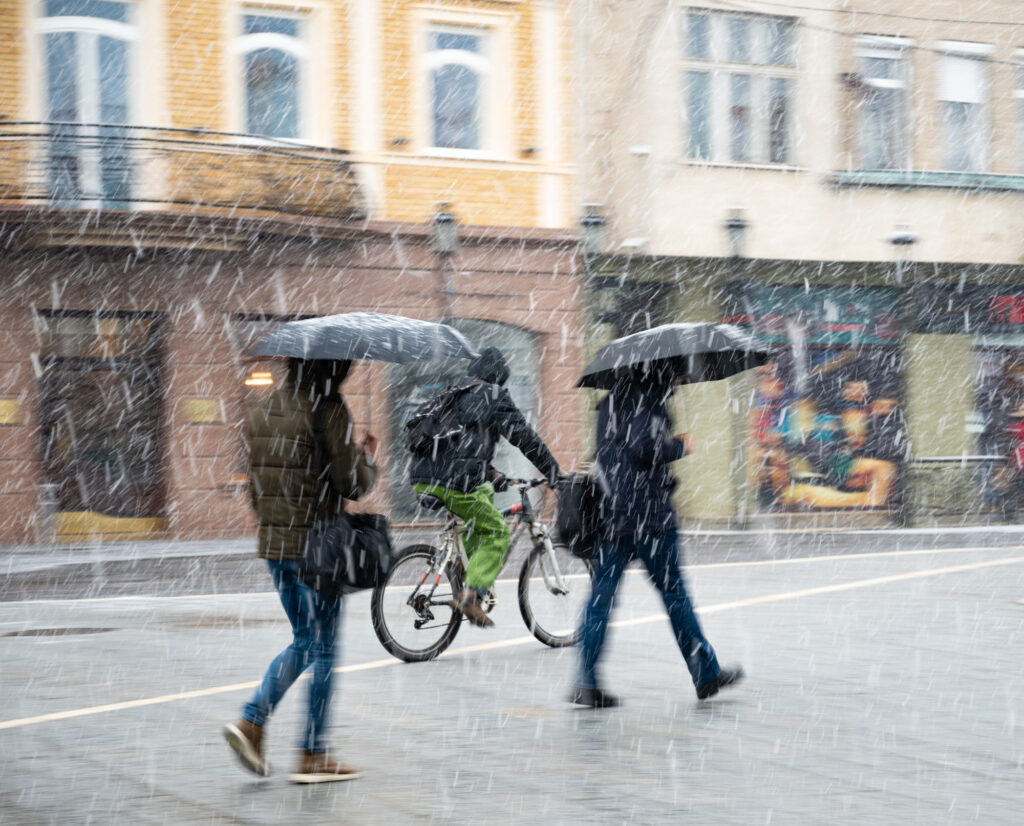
(372, 336)
(695, 352)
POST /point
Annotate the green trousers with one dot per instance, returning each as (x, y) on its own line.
(487, 538)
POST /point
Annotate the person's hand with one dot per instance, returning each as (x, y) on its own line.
(686, 440)
(369, 445)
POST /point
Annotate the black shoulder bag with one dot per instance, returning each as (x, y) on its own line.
(578, 519)
(345, 552)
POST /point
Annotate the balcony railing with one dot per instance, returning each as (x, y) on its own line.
(107, 166)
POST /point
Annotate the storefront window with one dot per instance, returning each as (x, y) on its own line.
(826, 429)
(998, 421)
(101, 407)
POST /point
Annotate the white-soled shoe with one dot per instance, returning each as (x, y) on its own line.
(246, 739)
(317, 767)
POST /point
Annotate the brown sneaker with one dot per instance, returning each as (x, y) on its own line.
(247, 740)
(317, 767)
(469, 605)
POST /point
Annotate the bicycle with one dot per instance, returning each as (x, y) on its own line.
(415, 610)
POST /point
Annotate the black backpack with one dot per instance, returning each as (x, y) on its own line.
(434, 426)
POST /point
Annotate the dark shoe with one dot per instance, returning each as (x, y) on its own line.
(593, 698)
(469, 605)
(247, 740)
(726, 677)
(317, 767)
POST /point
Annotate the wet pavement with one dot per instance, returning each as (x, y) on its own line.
(885, 686)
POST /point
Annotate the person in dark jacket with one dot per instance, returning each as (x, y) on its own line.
(635, 447)
(288, 494)
(459, 475)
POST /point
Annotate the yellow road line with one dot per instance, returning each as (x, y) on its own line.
(508, 643)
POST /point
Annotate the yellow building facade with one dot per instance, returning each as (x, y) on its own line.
(463, 103)
(179, 175)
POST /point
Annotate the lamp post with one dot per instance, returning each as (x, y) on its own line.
(592, 225)
(445, 242)
(592, 243)
(736, 230)
(902, 240)
(445, 238)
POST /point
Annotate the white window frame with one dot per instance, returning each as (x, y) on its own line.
(90, 30)
(496, 81)
(298, 47)
(888, 48)
(720, 70)
(976, 51)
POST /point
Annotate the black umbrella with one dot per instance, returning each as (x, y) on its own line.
(694, 352)
(373, 336)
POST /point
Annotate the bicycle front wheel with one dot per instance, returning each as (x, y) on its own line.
(413, 611)
(553, 612)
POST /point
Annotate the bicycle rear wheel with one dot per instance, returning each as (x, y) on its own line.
(413, 619)
(553, 616)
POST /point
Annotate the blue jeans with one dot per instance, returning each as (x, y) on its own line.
(660, 555)
(315, 620)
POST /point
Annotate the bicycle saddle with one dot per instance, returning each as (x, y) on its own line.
(429, 502)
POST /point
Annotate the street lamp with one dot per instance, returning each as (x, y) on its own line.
(445, 241)
(445, 238)
(736, 228)
(592, 226)
(902, 239)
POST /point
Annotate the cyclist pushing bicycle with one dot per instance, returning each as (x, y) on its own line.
(455, 466)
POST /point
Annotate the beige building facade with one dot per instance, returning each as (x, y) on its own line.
(846, 178)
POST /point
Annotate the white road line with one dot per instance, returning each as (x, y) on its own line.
(826, 589)
(867, 555)
(509, 643)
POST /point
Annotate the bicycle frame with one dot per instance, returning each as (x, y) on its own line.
(524, 517)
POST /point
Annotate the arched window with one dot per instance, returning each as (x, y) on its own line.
(88, 53)
(274, 55)
(458, 70)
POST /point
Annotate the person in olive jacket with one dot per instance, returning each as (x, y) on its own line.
(288, 495)
(458, 476)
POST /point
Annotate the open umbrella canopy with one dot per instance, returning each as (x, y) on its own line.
(695, 352)
(370, 336)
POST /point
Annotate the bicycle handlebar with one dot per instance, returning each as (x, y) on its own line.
(507, 482)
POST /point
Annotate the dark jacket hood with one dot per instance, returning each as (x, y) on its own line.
(489, 366)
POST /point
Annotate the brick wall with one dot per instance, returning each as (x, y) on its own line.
(12, 59)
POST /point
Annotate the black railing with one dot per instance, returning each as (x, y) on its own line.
(98, 165)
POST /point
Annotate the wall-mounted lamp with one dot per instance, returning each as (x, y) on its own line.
(736, 228)
(445, 239)
(592, 226)
(902, 239)
(259, 379)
